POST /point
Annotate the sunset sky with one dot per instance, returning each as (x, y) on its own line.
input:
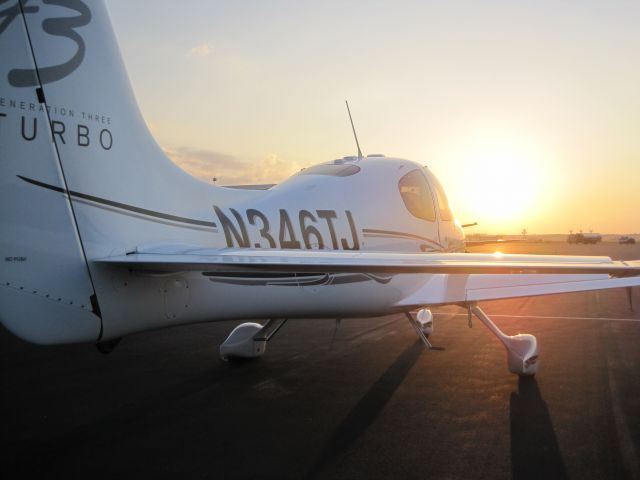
(527, 111)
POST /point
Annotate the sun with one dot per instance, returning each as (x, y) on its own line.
(502, 186)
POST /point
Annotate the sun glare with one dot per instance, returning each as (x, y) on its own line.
(502, 185)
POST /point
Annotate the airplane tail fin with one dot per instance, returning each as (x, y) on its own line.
(79, 171)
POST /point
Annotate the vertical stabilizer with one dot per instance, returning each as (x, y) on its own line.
(81, 177)
(46, 293)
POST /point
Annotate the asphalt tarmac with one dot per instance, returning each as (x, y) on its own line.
(367, 402)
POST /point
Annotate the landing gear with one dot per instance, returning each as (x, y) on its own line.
(249, 340)
(108, 346)
(424, 318)
(422, 323)
(522, 349)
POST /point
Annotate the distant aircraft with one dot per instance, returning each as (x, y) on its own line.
(584, 238)
(103, 236)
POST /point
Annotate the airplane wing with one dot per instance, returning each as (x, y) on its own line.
(478, 243)
(168, 258)
(447, 289)
(453, 277)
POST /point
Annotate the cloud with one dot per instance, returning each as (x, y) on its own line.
(204, 164)
(274, 169)
(202, 50)
(229, 170)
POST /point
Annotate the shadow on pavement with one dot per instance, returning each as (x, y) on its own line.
(367, 409)
(534, 447)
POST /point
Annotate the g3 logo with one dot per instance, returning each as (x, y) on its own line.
(60, 27)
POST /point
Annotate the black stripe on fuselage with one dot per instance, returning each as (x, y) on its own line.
(122, 206)
(269, 275)
(293, 280)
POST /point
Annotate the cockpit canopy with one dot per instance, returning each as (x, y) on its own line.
(335, 169)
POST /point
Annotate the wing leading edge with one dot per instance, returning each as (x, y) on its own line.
(181, 258)
(450, 277)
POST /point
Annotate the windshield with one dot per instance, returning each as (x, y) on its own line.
(443, 204)
(416, 195)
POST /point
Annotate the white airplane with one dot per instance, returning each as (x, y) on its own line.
(103, 236)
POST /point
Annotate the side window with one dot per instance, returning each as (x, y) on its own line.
(443, 203)
(416, 195)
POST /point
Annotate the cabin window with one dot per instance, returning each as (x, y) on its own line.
(443, 204)
(416, 195)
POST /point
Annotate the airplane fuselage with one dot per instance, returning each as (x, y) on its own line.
(365, 208)
(352, 204)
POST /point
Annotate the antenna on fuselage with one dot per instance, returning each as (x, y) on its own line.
(354, 130)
